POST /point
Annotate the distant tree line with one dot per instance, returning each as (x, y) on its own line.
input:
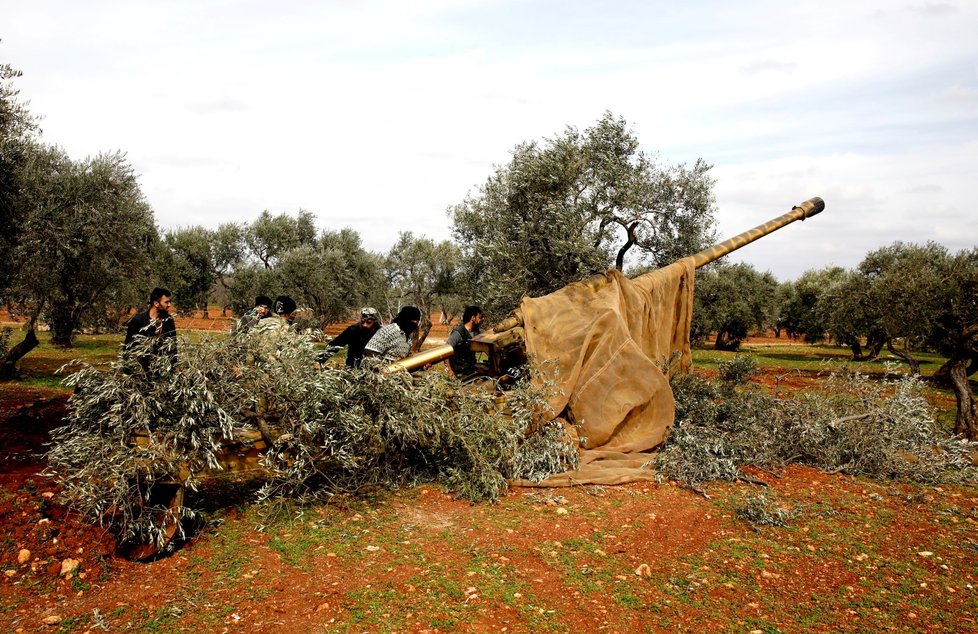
(906, 298)
(80, 248)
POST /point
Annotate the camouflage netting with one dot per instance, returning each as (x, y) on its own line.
(608, 337)
(331, 430)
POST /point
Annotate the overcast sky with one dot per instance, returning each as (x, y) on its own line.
(380, 115)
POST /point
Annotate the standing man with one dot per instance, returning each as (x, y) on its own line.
(262, 309)
(393, 341)
(462, 362)
(154, 322)
(153, 331)
(355, 338)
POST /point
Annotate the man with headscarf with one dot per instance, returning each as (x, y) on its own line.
(355, 338)
(393, 341)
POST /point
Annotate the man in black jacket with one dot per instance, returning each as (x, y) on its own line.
(154, 323)
(463, 362)
(355, 338)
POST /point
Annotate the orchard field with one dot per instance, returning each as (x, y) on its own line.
(794, 550)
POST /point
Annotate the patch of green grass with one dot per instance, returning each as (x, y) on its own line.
(626, 599)
(810, 358)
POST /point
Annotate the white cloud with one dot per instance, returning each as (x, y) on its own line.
(379, 115)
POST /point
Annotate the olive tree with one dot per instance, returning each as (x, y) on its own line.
(268, 237)
(17, 129)
(577, 204)
(187, 266)
(802, 313)
(954, 333)
(87, 235)
(421, 272)
(330, 275)
(227, 254)
(731, 300)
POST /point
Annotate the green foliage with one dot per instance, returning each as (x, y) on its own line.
(739, 370)
(803, 308)
(17, 128)
(331, 276)
(731, 301)
(574, 205)
(268, 237)
(332, 430)
(85, 240)
(882, 429)
(187, 265)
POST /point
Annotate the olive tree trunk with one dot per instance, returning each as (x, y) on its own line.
(906, 356)
(8, 366)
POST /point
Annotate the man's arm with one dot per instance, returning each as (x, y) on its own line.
(132, 329)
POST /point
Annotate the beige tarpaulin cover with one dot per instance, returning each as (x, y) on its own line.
(607, 334)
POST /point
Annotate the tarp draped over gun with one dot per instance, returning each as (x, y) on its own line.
(609, 339)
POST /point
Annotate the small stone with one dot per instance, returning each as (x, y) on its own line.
(23, 556)
(562, 511)
(373, 549)
(54, 619)
(68, 566)
(10, 573)
(643, 570)
(925, 553)
(47, 494)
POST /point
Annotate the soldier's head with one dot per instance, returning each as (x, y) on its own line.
(407, 319)
(472, 314)
(159, 299)
(284, 306)
(368, 317)
(263, 305)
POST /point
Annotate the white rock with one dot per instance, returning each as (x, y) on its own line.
(68, 566)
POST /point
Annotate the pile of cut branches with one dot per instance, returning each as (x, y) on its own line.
(153, 415)
(881, 428)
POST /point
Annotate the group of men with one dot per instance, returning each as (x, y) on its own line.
(366, 338)
(267, 316)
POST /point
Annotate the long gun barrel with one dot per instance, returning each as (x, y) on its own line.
(807, 209)
(510, 329)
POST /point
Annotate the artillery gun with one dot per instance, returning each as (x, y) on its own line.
(504, 348)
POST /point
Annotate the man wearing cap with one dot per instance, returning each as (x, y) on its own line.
(262, 309)
(284, 307)
(355, 338)
(393, 341)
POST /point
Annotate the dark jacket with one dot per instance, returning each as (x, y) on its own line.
(462, 361)
(355, 338)
(140, 325)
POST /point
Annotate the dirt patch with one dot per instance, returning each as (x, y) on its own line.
(861, 556)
